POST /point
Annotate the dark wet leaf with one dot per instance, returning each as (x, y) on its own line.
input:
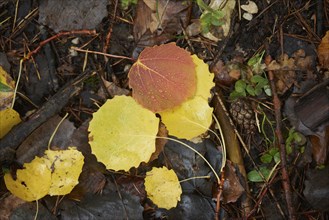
(316, 189)
(71, 15)
(190, 207)
(187, 164)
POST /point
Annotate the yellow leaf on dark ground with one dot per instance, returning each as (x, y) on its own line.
(66, 168)
(163, 187)
(8, 119)
(123, 133)
(33, 182)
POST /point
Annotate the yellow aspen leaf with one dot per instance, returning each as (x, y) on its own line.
(7, 86)
(8, 119)
(194, 116)
(33, 182)
(66, 166)
(163, 187)
(122, 133)
(189, 120)
(204, 78)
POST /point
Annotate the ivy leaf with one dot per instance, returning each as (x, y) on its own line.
(163, 77)
(122, 133)
(163, 187)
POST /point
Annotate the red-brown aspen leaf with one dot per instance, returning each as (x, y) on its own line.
(163, 77)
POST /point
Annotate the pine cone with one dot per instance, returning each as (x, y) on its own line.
(243, 115)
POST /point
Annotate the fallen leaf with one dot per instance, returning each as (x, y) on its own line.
(9, 118)
(323, 51)
(157, 22)
(163, 77)
(232, 189)
(163, 187)
(189, 120)
(116, 137)
(219, 33)
(66, 167)
(160, 142)
(204, 78)
(7, 86)
(193, 117)
(251, 7)
(72, 15)
(33, 182)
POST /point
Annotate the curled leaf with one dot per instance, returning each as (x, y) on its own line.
(163, 187)
(122, 133)
(163, 77)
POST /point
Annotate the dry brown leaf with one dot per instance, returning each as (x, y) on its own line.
(285, 68)
(232, 186)
(157, 22)
(160, 142)
(323, 51)
(320, 147)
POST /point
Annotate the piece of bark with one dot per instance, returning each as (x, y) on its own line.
(19, 133)
(313, 108)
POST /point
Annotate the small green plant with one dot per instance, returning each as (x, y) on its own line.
(256, 84)
(254, 87)
(209, 17)
(126, 3)
(273, 155)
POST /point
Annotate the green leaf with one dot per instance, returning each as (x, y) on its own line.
(4, 88)
(267, 90)
(258, 91)
(250, 90)
(277, 157)
(273, 151)
(254, 176)
(266, 158)
(240, 86)
(257, 79)
(234, 95)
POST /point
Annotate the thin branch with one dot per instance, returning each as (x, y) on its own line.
(281, 143)
(41, 44)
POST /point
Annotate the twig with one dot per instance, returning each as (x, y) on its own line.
(281, 142)
(109, 33)
(18, 134)
(100, 53)
(41, 44)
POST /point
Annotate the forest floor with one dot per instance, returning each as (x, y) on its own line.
(61, 60)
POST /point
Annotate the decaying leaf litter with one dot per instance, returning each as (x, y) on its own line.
(276, 147)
